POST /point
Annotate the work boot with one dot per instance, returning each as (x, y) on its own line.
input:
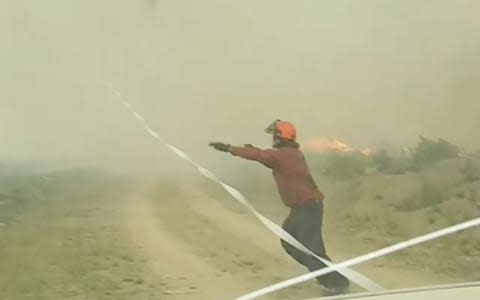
(333, 291)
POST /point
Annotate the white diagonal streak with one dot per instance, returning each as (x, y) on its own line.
(360, 259)
(354, 276)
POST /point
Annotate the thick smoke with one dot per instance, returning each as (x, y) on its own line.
(361, 71)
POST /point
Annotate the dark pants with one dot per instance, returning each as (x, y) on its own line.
(305, 224)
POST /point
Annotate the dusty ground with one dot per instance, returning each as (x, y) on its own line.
(85, 235)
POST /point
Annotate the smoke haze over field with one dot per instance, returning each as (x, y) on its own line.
(362, 71)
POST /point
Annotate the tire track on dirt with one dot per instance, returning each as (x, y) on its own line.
(186, 274)
(205, 251)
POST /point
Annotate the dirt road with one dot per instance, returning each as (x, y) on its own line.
(88, 237)
(206, 250)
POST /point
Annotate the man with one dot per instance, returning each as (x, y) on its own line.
(299, 192)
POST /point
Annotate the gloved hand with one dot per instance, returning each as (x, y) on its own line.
(220, 146)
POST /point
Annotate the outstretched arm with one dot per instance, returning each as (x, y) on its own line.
(266, 157)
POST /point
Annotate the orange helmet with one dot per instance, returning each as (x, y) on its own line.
(283, 129)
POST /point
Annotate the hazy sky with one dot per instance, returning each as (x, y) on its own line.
(362, 71)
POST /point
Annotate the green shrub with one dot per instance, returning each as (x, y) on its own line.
(471, 171)
(428, 152)
(381, 160)
(429, 195)
(345, 165)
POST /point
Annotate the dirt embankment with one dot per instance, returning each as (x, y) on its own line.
(390, 208)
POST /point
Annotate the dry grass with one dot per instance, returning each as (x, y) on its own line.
(63, 239)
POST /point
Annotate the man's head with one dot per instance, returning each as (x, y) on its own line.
(283, 132)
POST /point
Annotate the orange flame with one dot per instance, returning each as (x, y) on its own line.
(331, 145)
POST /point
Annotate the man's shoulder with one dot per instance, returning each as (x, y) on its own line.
(290, 150)
(289, 153)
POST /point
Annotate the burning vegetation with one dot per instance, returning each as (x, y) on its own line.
(342, 161)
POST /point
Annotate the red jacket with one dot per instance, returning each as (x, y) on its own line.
(294, 181)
